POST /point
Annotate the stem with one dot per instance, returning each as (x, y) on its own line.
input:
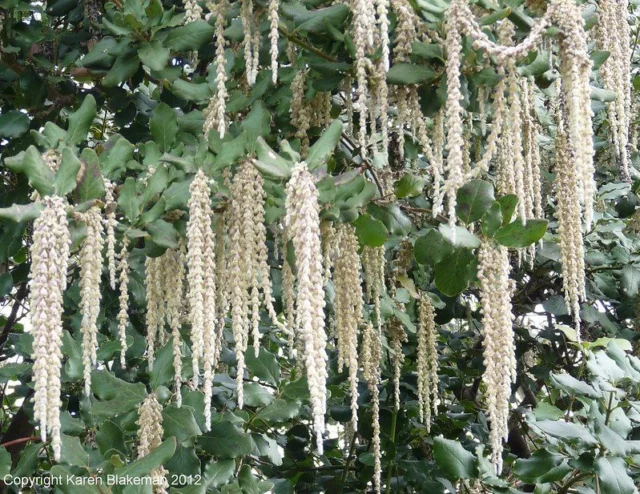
(394, 419)
(352, 447)
(303, 44)
(21, 440)
(609, 410)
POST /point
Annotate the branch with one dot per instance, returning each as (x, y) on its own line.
(20, 296)
(19, 441)
(303, 44)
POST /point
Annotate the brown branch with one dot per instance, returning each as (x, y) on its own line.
(303, 44)
(19, 441)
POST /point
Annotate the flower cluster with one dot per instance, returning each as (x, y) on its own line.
(90, 295)
(427, 361)
(247, 263)
(48, 278)
(302, 223)
(499, 348)
(370, 361)
(150, 434)
(215, 112)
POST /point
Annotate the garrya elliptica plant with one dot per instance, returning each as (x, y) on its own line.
(281, 246)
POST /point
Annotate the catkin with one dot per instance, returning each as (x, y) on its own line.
(123, 299)
(48, 279)
(498, 341)
(370, 356)
(302, 223)
(110, 224)
(215, 112)
(427, 361)
(149, 435)
(90, 295)
(348, 307)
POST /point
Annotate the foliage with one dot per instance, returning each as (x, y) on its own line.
(118, 90)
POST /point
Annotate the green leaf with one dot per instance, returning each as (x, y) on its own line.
(21, 212)
(430, 51)
(566, 430)
(474, 199)
(517, 234)
(370, 231)
(408, 73)
(189, 37)
(163, 234)
(319, 20)
(190, 91)
(459, 236)
(72, 452)
(491, 220)
(218, 473)
(117, 396)
(30, 163)
(614, 479)
(66, 177)
(271, 163)
(179, 423)
(125, 66)
(118, 152)
(409, 186)
(153, 460)
(457, 462)
(110, 439)
(128, 200)
(185, 461)
(247, 481)
(455, 272)
(81, 120)
(13, 123)
(6, 284)
(538, 67)
(603, 95)
(630, 279)
(226, 440)
(164, 126)
(431, 248)
(324, 147)
(154, 55)
(264, 366)
(5, 462)
(508, 205)
(256, 395)
(296, 390)
(91, 184)
(572, 386)
(256, 124)
(391, 215)
(279, 411)
(542, 467)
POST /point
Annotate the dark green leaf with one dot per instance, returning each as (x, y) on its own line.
(455, 272)
(456, 461)
(154, 55)
(33, 166)
(164, 126)
(189, 37)
(91, 184)
(279, 411)
(324, 147)
(432, 248)
(474, 199)
(13, 123)
(370, 231)
(491, 220)
(409, 186)
(264, 366)
(21, 212)
(179, 423)
(81, 120)
(517, 234)
(153, 460)
(218, 473)
(66, 176)
(408, 73)
(226, 440)
(508, 205)
(613, 475)
(128, 200)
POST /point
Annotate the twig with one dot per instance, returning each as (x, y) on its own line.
(19, 441)
(303, 44)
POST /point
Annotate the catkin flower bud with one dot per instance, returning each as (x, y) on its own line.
(150, 434)
(427, 361)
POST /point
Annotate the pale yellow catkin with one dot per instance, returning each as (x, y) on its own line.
(370, 356)
(48, 280)
(123, 299)
(302, 223)
(90, 294)
(427, 356)
(150, 432)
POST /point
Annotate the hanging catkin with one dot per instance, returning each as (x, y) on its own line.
(154, 278)
(110, 224)
(427, 361)
(215, 112)
(370, 357)
(150, 434)
(453, 113)
(123, 299)
(396, 337)
(247, 264)
(199, 294)
(250, 53)
(173, 274)
(575, 71)
(273, 37)
(568, 212)
(499, 349)
(90, 295)
(363, 41)
(48, 280)
(613, 36)
(302, 223)
(192, 11)
(348, 307)
(373, 265)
